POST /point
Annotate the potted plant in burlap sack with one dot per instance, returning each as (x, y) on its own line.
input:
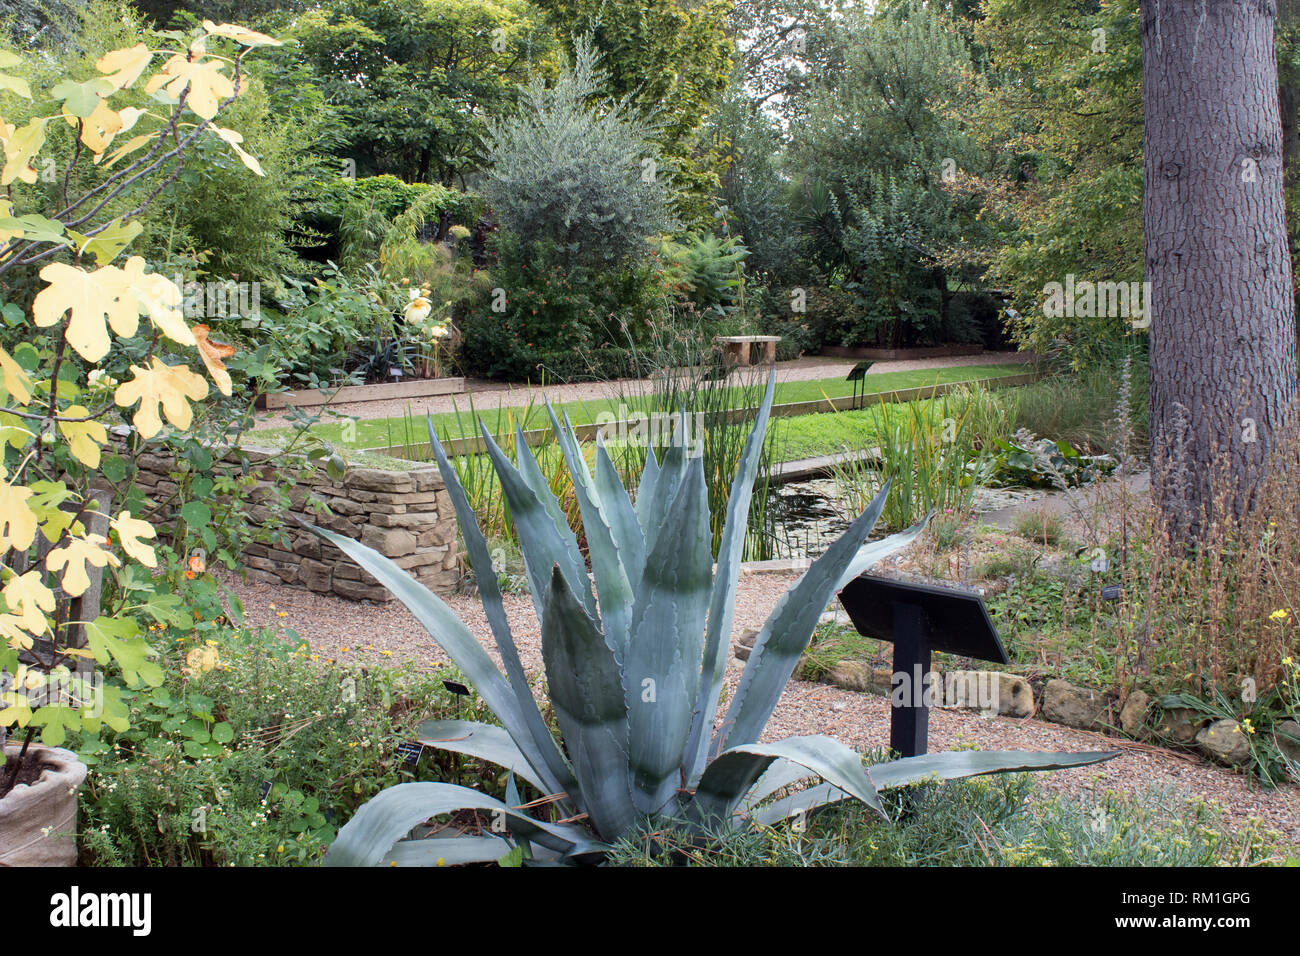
(69, 651)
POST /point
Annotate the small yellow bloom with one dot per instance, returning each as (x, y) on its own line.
(1279, 615)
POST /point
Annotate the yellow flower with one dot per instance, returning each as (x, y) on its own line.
(1279, 615)
(387, 653)
(281, 613)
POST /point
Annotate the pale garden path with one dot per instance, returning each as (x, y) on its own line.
(488, 396)
(330, 624)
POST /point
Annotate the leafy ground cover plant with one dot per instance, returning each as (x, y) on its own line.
(634, 681)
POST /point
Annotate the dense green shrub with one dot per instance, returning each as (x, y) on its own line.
(253, 752)
(581, 175)
(539, 309)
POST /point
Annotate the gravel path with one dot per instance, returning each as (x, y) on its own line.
(366, 631)
(489, 395)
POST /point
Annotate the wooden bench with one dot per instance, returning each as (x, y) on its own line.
(736, 349)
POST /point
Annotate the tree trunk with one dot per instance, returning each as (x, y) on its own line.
(1223, 364)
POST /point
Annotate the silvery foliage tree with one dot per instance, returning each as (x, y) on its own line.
(577, 171)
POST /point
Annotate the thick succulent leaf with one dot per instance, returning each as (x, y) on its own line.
(800, 802)
(483, 741)
(662, 664)
(873, 551)
(722, 601)
(443, 626)
(671, 472)
(726, 780)
(612, 581)
(951, 765)
(386, 818)
(782, 773)
(586, 684)
(545, 538)
(645, 491)
(446, 851)
(539, 747)
(622, 516)
(955, 764)
(786, 632)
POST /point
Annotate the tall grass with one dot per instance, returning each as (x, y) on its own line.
(685, 375)
(930, 452)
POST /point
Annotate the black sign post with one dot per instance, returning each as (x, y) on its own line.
(918, 619)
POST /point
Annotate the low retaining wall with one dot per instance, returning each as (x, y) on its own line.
(404, 515)
(921, 352)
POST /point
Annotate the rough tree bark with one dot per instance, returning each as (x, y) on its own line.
(1223, 363)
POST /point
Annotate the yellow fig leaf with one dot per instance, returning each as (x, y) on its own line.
(165, 385)
(16, 380)
(234, 139)
(124, 66)
(21, 146)
(17, 522)
(18, 639)
(99, 128)
(29, 600)
(207, 84)
(162, 299)
(73, 558)
(239, 34)
(91, 298)
(84, 438)
(130, 146)
(131, 531)
(6, 211)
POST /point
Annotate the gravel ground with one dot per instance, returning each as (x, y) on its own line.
(488, 395)
(332, 625)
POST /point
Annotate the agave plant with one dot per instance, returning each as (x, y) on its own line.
(634, 669)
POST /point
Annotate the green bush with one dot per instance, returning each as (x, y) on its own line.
(558, 316)
(253, 752)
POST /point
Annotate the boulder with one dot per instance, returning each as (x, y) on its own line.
(992, 691)
(1180, 725)
(1224, 741)
(1133, 715)
(1287, 734)
(1081, 707)
(390, 542)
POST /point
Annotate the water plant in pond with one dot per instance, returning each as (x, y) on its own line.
(634, 670)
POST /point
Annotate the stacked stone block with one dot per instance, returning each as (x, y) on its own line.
(404, 515)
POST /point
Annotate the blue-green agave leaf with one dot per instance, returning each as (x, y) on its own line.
(645, 492)
(622, 516)
(873, 551)
(782, 773)
(951, 765)
(446, 851)
(386, 818)
(727, 779)
(586, 685)
(612, 582)
(484, 741)
(671, 472)
(722, 601)
(545, 538)
(955, 764)
(786, 632)
(662, 664)
(539, 747)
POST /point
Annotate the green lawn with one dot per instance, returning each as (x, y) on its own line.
(381, 432)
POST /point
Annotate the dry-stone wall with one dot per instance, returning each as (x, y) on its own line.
(404, 515)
